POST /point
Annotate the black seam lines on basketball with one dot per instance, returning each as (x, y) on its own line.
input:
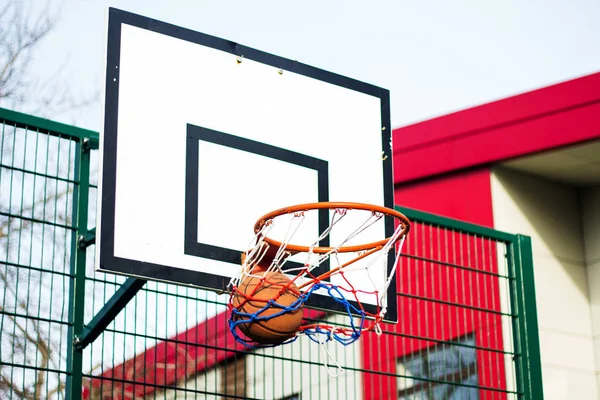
(263, 284)
(266, 328)
(284, 334)
(261, 323)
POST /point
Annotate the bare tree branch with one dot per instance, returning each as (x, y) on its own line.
(42, 347)
(58, 389)
(22, 30)
(18, 38)
(5, 382)
(52, 197)
(24, 26)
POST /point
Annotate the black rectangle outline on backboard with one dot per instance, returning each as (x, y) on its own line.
(108, 262)
(196, 134)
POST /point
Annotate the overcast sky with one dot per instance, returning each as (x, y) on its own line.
(434, 56)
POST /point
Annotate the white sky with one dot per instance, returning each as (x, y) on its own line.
(435, 56)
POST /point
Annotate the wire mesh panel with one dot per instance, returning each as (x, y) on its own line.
(165, 343)
(454, 338)
(466, 325)
(205, 361)
(37, 183)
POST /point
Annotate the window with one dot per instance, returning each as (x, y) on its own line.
(447, 362)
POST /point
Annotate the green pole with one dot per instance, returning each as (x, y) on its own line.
(109, 311)
(78, 261)
(530, 335)
(514, 274)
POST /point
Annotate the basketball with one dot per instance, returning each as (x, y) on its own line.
(253, 294)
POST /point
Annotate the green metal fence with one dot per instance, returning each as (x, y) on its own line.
(467, 329)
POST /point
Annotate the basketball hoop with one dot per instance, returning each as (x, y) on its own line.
(268, 255)
(341, 207)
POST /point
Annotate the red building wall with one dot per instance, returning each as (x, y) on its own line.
(442, 166)
(465, 196)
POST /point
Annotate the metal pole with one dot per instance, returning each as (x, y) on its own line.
(78, 261)
(530, 332)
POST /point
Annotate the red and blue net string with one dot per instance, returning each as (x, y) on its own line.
(318, 332)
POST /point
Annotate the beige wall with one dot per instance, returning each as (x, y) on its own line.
(209, 382)
(550, 214)
(590, 216)
(275, 378)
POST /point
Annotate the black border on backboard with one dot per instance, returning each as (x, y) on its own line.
(108, 262)
(196, 134)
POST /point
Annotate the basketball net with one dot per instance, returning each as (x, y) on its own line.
(346, 261)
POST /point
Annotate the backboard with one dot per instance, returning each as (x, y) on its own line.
(202, 136)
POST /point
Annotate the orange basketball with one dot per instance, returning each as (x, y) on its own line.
(273, 286)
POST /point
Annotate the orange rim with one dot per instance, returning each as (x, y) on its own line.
(332, 205)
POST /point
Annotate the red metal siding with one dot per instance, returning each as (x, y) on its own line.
(441, 167)
(465, 196)
(543, 119)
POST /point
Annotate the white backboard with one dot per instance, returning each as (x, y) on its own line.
(203, 136)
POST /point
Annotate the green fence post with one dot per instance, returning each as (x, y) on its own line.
(110, 310)
(529, 325)
(518, 333)
(78, 265)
